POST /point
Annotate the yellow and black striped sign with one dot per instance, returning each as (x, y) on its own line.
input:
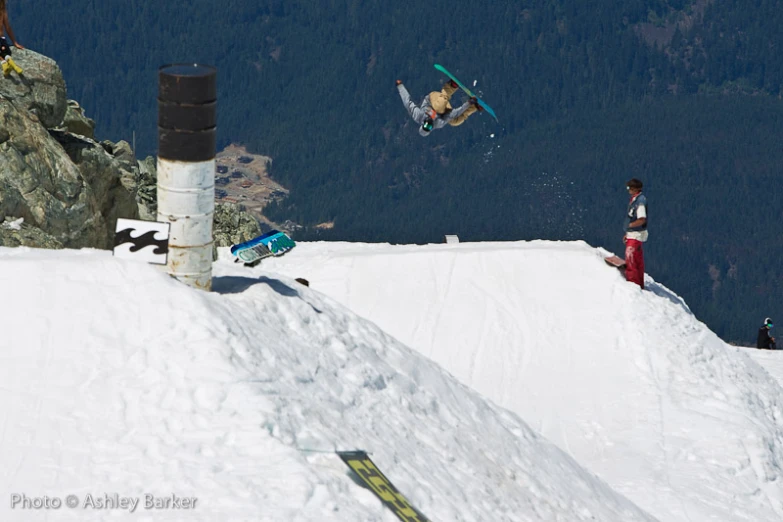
(360, 463)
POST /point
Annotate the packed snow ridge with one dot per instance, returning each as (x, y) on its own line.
(119, 384)
(627, 382)
(453, 365)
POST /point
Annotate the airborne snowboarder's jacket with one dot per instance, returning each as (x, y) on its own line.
(426, 110)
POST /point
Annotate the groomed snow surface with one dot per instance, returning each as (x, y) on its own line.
(453, 365)
(627, 382)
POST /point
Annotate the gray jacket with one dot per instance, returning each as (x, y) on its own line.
(419, 114)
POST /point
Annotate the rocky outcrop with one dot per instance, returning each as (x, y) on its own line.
(61, 183)
(64, 184)
(39, 91)
(231, 225)
(76, 122)
(147, 189)
(110, 175)
(15, 233)
(59, 187)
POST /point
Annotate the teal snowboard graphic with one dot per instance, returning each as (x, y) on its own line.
(481, 102)
(273, 243)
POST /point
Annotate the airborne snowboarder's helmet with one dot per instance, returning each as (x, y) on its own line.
(768, 322)
(426, 127)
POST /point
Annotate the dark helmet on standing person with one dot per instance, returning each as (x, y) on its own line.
(634, 183)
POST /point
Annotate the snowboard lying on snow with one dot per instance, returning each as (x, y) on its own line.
(273, 243)
(617, 262)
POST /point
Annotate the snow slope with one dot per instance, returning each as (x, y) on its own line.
(772, 361)
(630, 383)
(117, 380)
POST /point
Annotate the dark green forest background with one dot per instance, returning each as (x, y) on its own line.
(685, 95)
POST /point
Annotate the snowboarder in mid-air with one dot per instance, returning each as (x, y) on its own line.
(435, 110)
(766, 341)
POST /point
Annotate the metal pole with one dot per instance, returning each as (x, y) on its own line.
(187, 100)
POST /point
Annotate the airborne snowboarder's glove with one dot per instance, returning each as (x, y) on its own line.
(398, 82)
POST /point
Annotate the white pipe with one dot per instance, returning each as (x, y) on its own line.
(186, 199)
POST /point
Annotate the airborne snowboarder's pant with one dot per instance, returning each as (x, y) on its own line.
(634, 262)
(441, 103)
(440, 100)
(459, 120)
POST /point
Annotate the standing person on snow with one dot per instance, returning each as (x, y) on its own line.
(5, 48)
(766, 341)
(635, 233)
(436, 111)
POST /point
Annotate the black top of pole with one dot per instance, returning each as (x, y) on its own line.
(187, 116)
(187, 69)
(187, 83)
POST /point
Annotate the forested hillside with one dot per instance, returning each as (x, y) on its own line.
(685, 95)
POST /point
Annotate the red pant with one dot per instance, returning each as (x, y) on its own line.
(634, 262)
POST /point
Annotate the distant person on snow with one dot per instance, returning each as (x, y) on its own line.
(435, 110)
(766, 341)
(635, 233)
(5, 47)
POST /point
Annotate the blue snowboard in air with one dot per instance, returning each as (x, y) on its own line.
(273, 243)
(481, 102)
